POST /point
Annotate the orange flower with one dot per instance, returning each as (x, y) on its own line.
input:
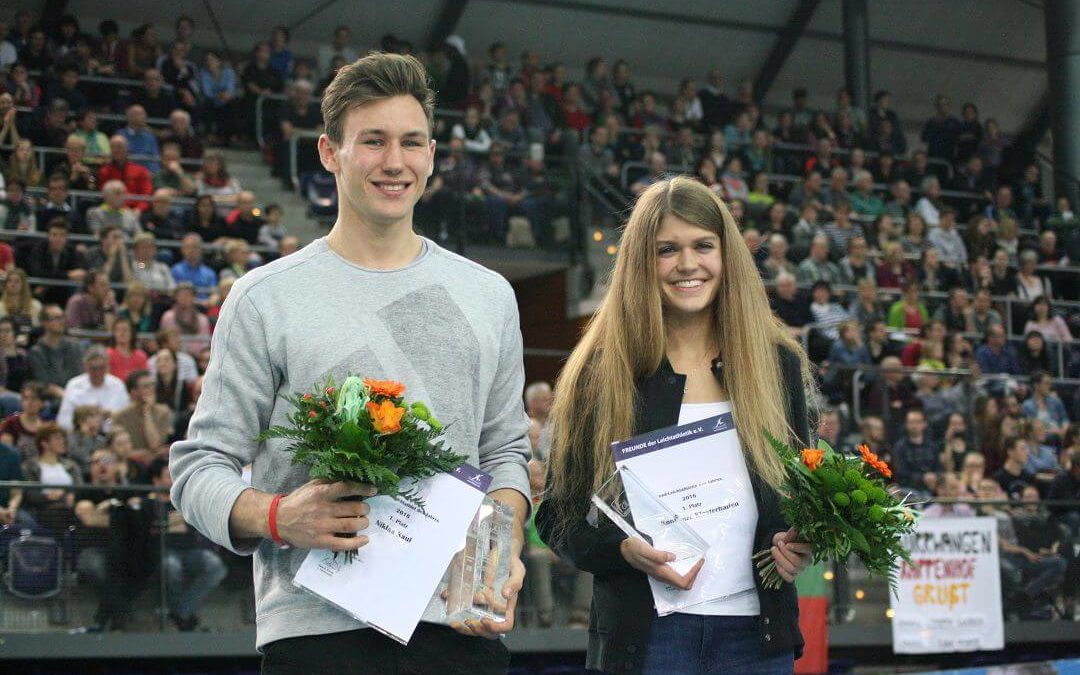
(813, 458)
(385, 416)
(872, 459)
(388, 388)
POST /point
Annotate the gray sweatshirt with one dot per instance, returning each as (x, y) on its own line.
(444, 326)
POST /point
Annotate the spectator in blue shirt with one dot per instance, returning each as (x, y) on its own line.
(916, 459)
(191, 268)
(942, 131)
(141, 141)
(1044, 405)
(1042, 458)
(281, 59)
(217, 81)
(845, 355)
(996, 357)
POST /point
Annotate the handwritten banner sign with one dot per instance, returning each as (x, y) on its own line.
(950, 599)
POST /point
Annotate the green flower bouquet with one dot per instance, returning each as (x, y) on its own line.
(363, 431)
(839, 504)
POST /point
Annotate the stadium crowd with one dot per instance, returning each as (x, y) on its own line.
(927, 285)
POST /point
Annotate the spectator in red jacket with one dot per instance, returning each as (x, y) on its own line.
(136, 178)
(577, 118)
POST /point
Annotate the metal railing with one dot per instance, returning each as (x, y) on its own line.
(643, 169)
(294, 154)
(1061, 350)
(109, 117)
(75, 197)
(860, 372)
(143, 338)
(857, 374)
(64, 572)
(115, 285)
(171, 244)
(110, 80)
(56, 580)
(44, 151)
(260, 103)
(775, 178)
(883, 189)
(1006, 301)
(806, 149)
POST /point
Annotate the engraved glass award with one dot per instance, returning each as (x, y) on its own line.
(474, 581)
(639, 513)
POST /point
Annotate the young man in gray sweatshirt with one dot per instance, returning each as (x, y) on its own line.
(375, 299)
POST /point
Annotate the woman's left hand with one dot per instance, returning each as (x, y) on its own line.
(790, 555)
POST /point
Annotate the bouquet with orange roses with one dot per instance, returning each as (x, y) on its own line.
(364, 431)
(839, 504)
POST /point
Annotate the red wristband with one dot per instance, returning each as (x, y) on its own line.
(272, 518)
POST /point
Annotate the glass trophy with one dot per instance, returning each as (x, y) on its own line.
(474, 581)
(639, 513)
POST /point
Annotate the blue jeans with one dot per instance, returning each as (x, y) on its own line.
(497, 210)
(204, 571)
(1032, 579)
(688, 644)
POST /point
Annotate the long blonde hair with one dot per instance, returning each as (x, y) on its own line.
(28, 172)
(595, 394)
(136, 289)
(22, 304)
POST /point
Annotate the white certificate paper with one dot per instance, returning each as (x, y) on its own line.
(391, 580)
(697, 470)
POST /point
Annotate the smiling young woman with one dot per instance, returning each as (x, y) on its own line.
(685, 332)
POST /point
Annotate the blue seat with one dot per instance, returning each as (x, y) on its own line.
(35, 567)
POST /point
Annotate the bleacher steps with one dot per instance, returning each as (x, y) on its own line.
(248, 167)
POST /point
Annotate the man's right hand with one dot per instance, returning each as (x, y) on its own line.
(311, 516)
(654, 563)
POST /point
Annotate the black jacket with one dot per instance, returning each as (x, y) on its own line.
(622, 606)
